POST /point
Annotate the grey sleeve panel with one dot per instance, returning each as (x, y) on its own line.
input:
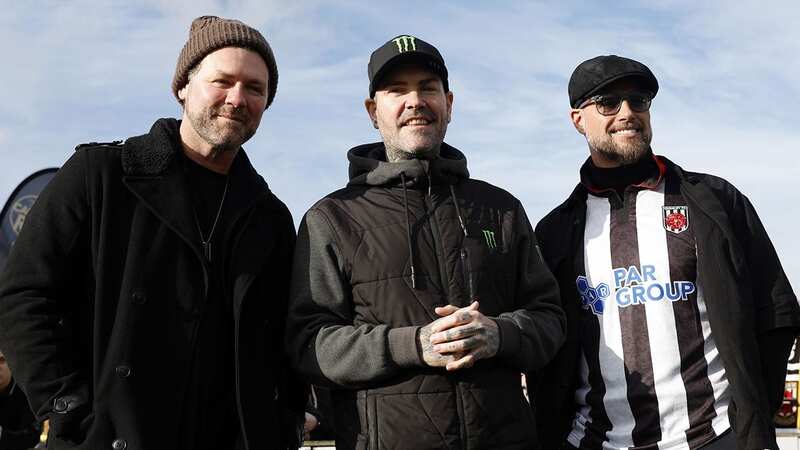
(322, 339)
(403, 347)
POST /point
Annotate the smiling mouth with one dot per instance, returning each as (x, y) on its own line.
(626, 132)
(417, 121)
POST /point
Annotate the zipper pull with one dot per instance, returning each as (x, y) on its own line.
(206, 250)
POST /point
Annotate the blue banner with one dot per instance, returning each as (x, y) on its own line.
(17, 207)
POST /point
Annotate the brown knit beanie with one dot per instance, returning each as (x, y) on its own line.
(210, 33)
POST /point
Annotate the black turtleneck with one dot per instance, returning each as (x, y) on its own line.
(618, 178)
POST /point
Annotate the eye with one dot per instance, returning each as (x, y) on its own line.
(609, 101)
(256, 89)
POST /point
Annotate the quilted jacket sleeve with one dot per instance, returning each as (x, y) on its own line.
(322, 339)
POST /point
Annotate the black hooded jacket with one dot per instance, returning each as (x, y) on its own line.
(373, 261)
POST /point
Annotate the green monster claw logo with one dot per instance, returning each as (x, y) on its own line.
(405, 43)
(489, 236)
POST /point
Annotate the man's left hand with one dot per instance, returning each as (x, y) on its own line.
(466, 333)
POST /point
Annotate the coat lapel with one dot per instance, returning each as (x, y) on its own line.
(152, 173)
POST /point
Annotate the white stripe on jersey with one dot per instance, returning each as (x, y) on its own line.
(670, 390)
(597, 260)
(716, 373)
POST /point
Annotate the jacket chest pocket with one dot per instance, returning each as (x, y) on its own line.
(485, 263)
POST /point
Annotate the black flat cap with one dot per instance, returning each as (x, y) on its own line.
(592, 75)
(400, 49)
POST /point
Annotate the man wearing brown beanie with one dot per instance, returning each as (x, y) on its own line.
(143, 304)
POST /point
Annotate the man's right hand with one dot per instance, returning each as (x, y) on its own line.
(431, 357)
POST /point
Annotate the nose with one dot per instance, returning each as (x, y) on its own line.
(414, 100)
(625, 109)
(236, 96)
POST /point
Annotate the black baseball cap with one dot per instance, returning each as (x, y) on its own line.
(403, 49)
(594, 74)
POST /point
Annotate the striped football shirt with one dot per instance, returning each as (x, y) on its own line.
(650, 373)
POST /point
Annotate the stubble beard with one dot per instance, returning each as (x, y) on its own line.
(622, 154)
(396, 150)
(221, 137)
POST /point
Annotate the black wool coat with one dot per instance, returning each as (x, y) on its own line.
(752, 310)
(101, 299)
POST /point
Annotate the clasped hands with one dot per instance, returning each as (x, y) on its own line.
(459, 338)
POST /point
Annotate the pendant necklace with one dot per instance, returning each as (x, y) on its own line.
(205, 243)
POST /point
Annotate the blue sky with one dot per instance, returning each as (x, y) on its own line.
(78, 71)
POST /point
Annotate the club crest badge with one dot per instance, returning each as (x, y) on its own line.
(676, 218)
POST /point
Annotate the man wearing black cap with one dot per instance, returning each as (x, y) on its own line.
(680, 317)
(143, 304)
(418, 294)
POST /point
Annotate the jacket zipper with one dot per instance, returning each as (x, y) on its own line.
(437, 246)
(438, 251)
(466, 269)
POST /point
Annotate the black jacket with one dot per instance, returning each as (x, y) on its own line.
(102, 288)
(18, 428)
(355, 310)
(752, 310)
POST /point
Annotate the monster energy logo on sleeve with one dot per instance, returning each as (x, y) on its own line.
(405, 43)
(489, 236)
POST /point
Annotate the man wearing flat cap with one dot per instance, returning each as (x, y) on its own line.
(143, 305)
(418, 294)
(680, 317)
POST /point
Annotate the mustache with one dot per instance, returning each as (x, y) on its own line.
(231, 112)
(418, 115)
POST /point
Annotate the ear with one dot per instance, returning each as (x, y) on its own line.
(577, 120)
(182, 93)
(371, 107)
(449, 105)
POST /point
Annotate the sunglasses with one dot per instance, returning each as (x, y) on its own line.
(609, 104)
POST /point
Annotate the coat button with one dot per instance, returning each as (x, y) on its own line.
(123, 371)
(119, 444)
(60, 405)
(139, 298)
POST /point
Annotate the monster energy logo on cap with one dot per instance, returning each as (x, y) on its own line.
(404, 48)
(405, 43)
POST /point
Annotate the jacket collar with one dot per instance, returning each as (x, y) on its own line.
(153, 173)
(368, 166)
(700, 196)
(578, 194)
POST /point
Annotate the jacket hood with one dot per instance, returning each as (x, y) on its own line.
(368, 166)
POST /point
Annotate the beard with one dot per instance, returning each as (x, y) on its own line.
(402, 145)
(222, 135)
(621, 153)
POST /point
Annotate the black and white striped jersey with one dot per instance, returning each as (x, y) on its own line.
(650, 373)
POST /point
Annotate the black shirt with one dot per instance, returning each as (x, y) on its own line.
(210, 418)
